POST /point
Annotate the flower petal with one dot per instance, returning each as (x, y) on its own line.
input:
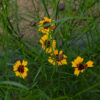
(64, 61)
(24, 75)
(78, 60)
(17, 73)
(24, 63)
(90, 63)
(56, 52)
(74, 64)
(76, 72)
(25, 69)
(15, 67)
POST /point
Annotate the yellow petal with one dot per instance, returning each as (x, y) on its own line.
(45, 18)
(15, 67)
(60, 52)
(54, 44)
(90, 63)
(53, 63)
(17, 73)
(60, 63)
(78, 60)
(50, 60)
(45, 37)
(76, 72)
(56, 52)
(64, 56)
(24, 63)
(18, 63)
(74, 64)
(41, 41)
(48, 50)
(24, 75)
(64, 61)
(82, 70)
(41, 22)
(49, 57)
(25, 69)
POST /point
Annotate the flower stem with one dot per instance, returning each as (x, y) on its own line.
(45, 7)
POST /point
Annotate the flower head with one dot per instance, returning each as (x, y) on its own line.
(57, 57)
(46, 29)
(79, 67)
(47, 43)
(20, 69)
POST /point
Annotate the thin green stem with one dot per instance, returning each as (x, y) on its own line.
(45, 7)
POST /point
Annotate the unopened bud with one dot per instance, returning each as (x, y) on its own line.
(33, 23)
(20, 35)
(95, 15)
(0, 1)
(61, 6)
(74, 9)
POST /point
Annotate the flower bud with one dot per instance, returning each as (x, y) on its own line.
(61, 6)
(33, 23)
(21, 35)
(0, 1)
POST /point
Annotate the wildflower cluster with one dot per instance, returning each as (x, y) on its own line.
(57, 57)
(49, 45)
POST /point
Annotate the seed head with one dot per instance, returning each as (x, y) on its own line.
(74, 9)
(20, 35)
(61, 6)
(33, 23)
(0, 1)
(95, 15)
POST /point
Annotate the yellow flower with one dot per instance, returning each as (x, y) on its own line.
(47, 43)
(79, 67)
(48, 28)
(20, 69)
(58, 58)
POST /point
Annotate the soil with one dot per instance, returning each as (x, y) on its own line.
(25, 27)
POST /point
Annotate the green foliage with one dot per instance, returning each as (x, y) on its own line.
(77, 33)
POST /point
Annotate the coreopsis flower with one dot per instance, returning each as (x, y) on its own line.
(20, 69)
(79, 67)
(46, 29)
(47, 43)
(57, 58)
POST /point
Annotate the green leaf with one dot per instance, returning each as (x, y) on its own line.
(11, 83)
(88, 89)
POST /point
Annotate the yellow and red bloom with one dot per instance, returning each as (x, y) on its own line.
(57, 58)
(79, 67)
(20, 69)
(48, 28)
(47, 43)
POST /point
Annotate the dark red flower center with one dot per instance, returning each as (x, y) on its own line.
(47, 26)
(81, 66)
(47, 43)
(21, 68)
(59, 57)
